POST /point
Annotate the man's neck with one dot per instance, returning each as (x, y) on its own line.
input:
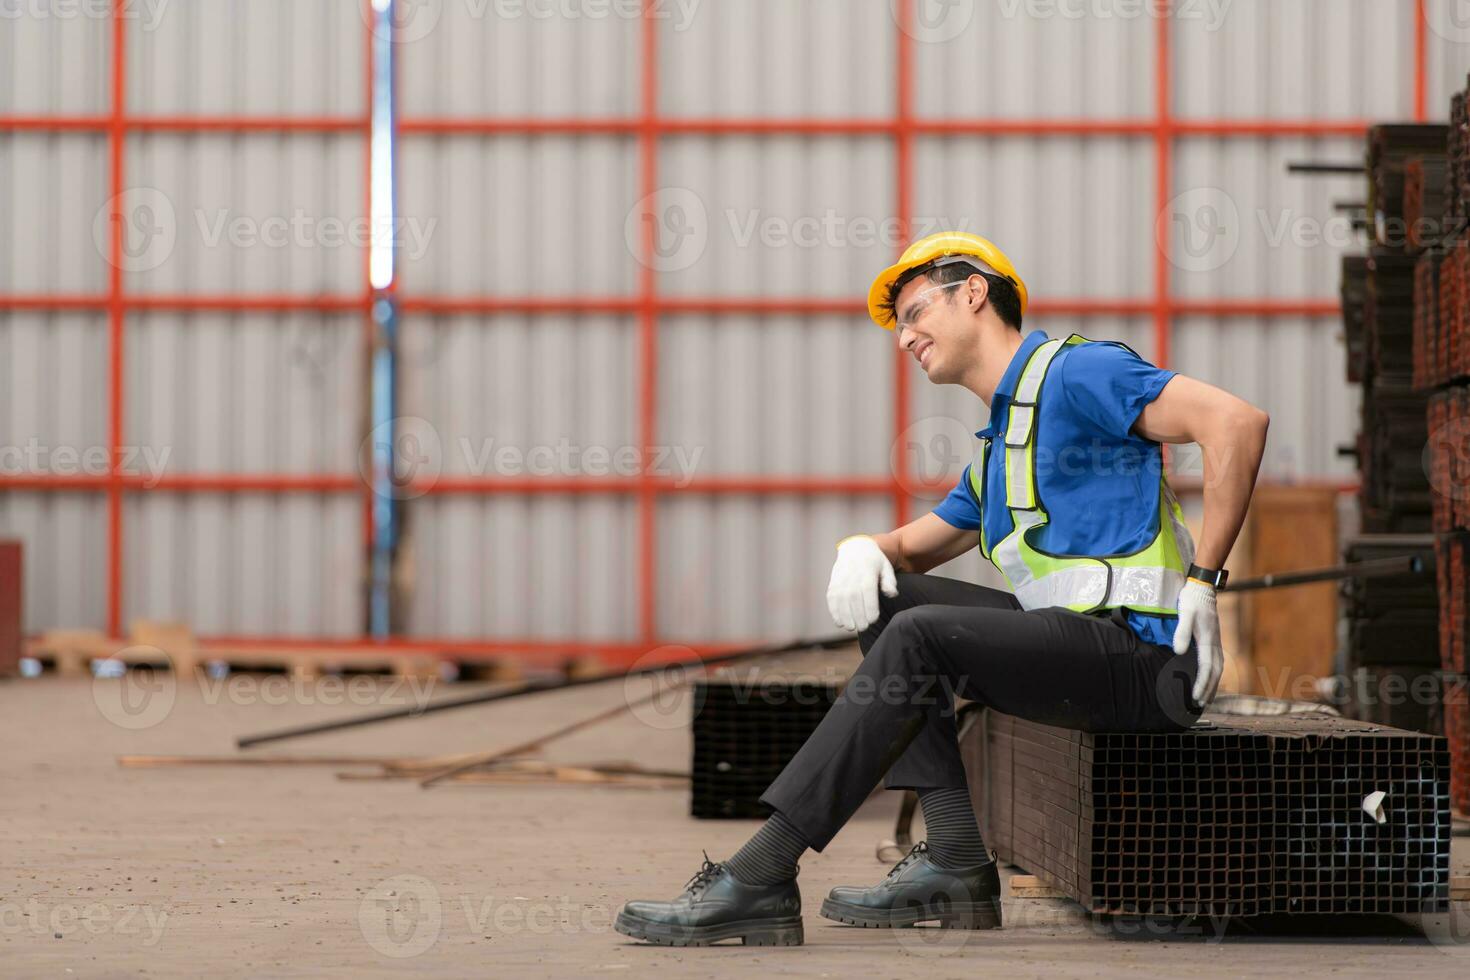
(997, 348)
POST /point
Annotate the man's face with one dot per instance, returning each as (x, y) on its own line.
(937, 324)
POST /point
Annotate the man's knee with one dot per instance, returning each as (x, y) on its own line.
(908, 633)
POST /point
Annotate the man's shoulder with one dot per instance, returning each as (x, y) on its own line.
(1104, 384)
(1096, 355)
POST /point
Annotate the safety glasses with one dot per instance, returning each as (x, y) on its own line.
(919, 304)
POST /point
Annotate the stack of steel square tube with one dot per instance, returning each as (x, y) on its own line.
(1240, 817)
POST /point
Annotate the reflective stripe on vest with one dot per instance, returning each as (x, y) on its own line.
(1147, 581)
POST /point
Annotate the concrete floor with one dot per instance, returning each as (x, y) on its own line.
(288, 871)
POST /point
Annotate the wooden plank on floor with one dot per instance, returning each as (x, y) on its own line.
(1029, 886)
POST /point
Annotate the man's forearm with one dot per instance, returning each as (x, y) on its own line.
(891, 543)
(1232, 458)
(924, 543)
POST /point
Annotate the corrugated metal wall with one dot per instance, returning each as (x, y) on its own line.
(205, 393)
(549, 215)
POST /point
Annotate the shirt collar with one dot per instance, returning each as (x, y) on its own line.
(1006, 390)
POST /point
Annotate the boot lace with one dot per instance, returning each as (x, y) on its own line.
(915, 852)
(706, 875)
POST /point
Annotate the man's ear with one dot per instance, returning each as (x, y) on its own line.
(979, 292)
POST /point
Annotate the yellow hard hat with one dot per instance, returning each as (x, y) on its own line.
(937, 246)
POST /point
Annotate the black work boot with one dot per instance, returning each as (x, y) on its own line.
(916, 891)
(716, 905)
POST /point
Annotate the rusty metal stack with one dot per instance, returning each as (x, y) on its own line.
(1432, 351)
(1354, 294)
(1393, 149)
(1426, 200)
(1247, 816)
(1457, 191)
(1414, 447)
(1442, 372)
(1395, 495)
(1454, 596)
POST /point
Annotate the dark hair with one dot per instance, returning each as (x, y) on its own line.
(1003, 293)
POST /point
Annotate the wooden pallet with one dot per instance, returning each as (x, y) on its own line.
(172, 646)
(315, 663)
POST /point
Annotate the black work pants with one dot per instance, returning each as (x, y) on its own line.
(940, 638)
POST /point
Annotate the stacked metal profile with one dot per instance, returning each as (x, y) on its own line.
(745, 731)
(1354, 294)
(1442, 371)
(1395, 494)
(1247, 816)
(1457, 190)
(1392, 655)
(1426, 199)
(1454, 588)
(1393, 149)
(1434, 348)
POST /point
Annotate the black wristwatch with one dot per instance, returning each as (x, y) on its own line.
(1213, 577)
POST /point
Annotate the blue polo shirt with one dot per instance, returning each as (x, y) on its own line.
(1098, 480)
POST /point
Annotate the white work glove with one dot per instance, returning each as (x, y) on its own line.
(861, 569)
(1199, 621)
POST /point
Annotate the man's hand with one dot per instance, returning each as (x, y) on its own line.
(861, 569)
(1199, 621)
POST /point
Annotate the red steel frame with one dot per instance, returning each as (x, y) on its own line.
(647, 305)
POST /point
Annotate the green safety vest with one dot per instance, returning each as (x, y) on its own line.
(1146, 581)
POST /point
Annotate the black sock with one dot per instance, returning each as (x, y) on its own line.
(953, 834)
(769, 856)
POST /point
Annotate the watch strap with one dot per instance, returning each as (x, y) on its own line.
(1213, 577)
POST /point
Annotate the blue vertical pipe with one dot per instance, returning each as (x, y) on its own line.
(384, 369)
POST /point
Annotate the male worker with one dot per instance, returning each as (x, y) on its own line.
(1067, 497)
